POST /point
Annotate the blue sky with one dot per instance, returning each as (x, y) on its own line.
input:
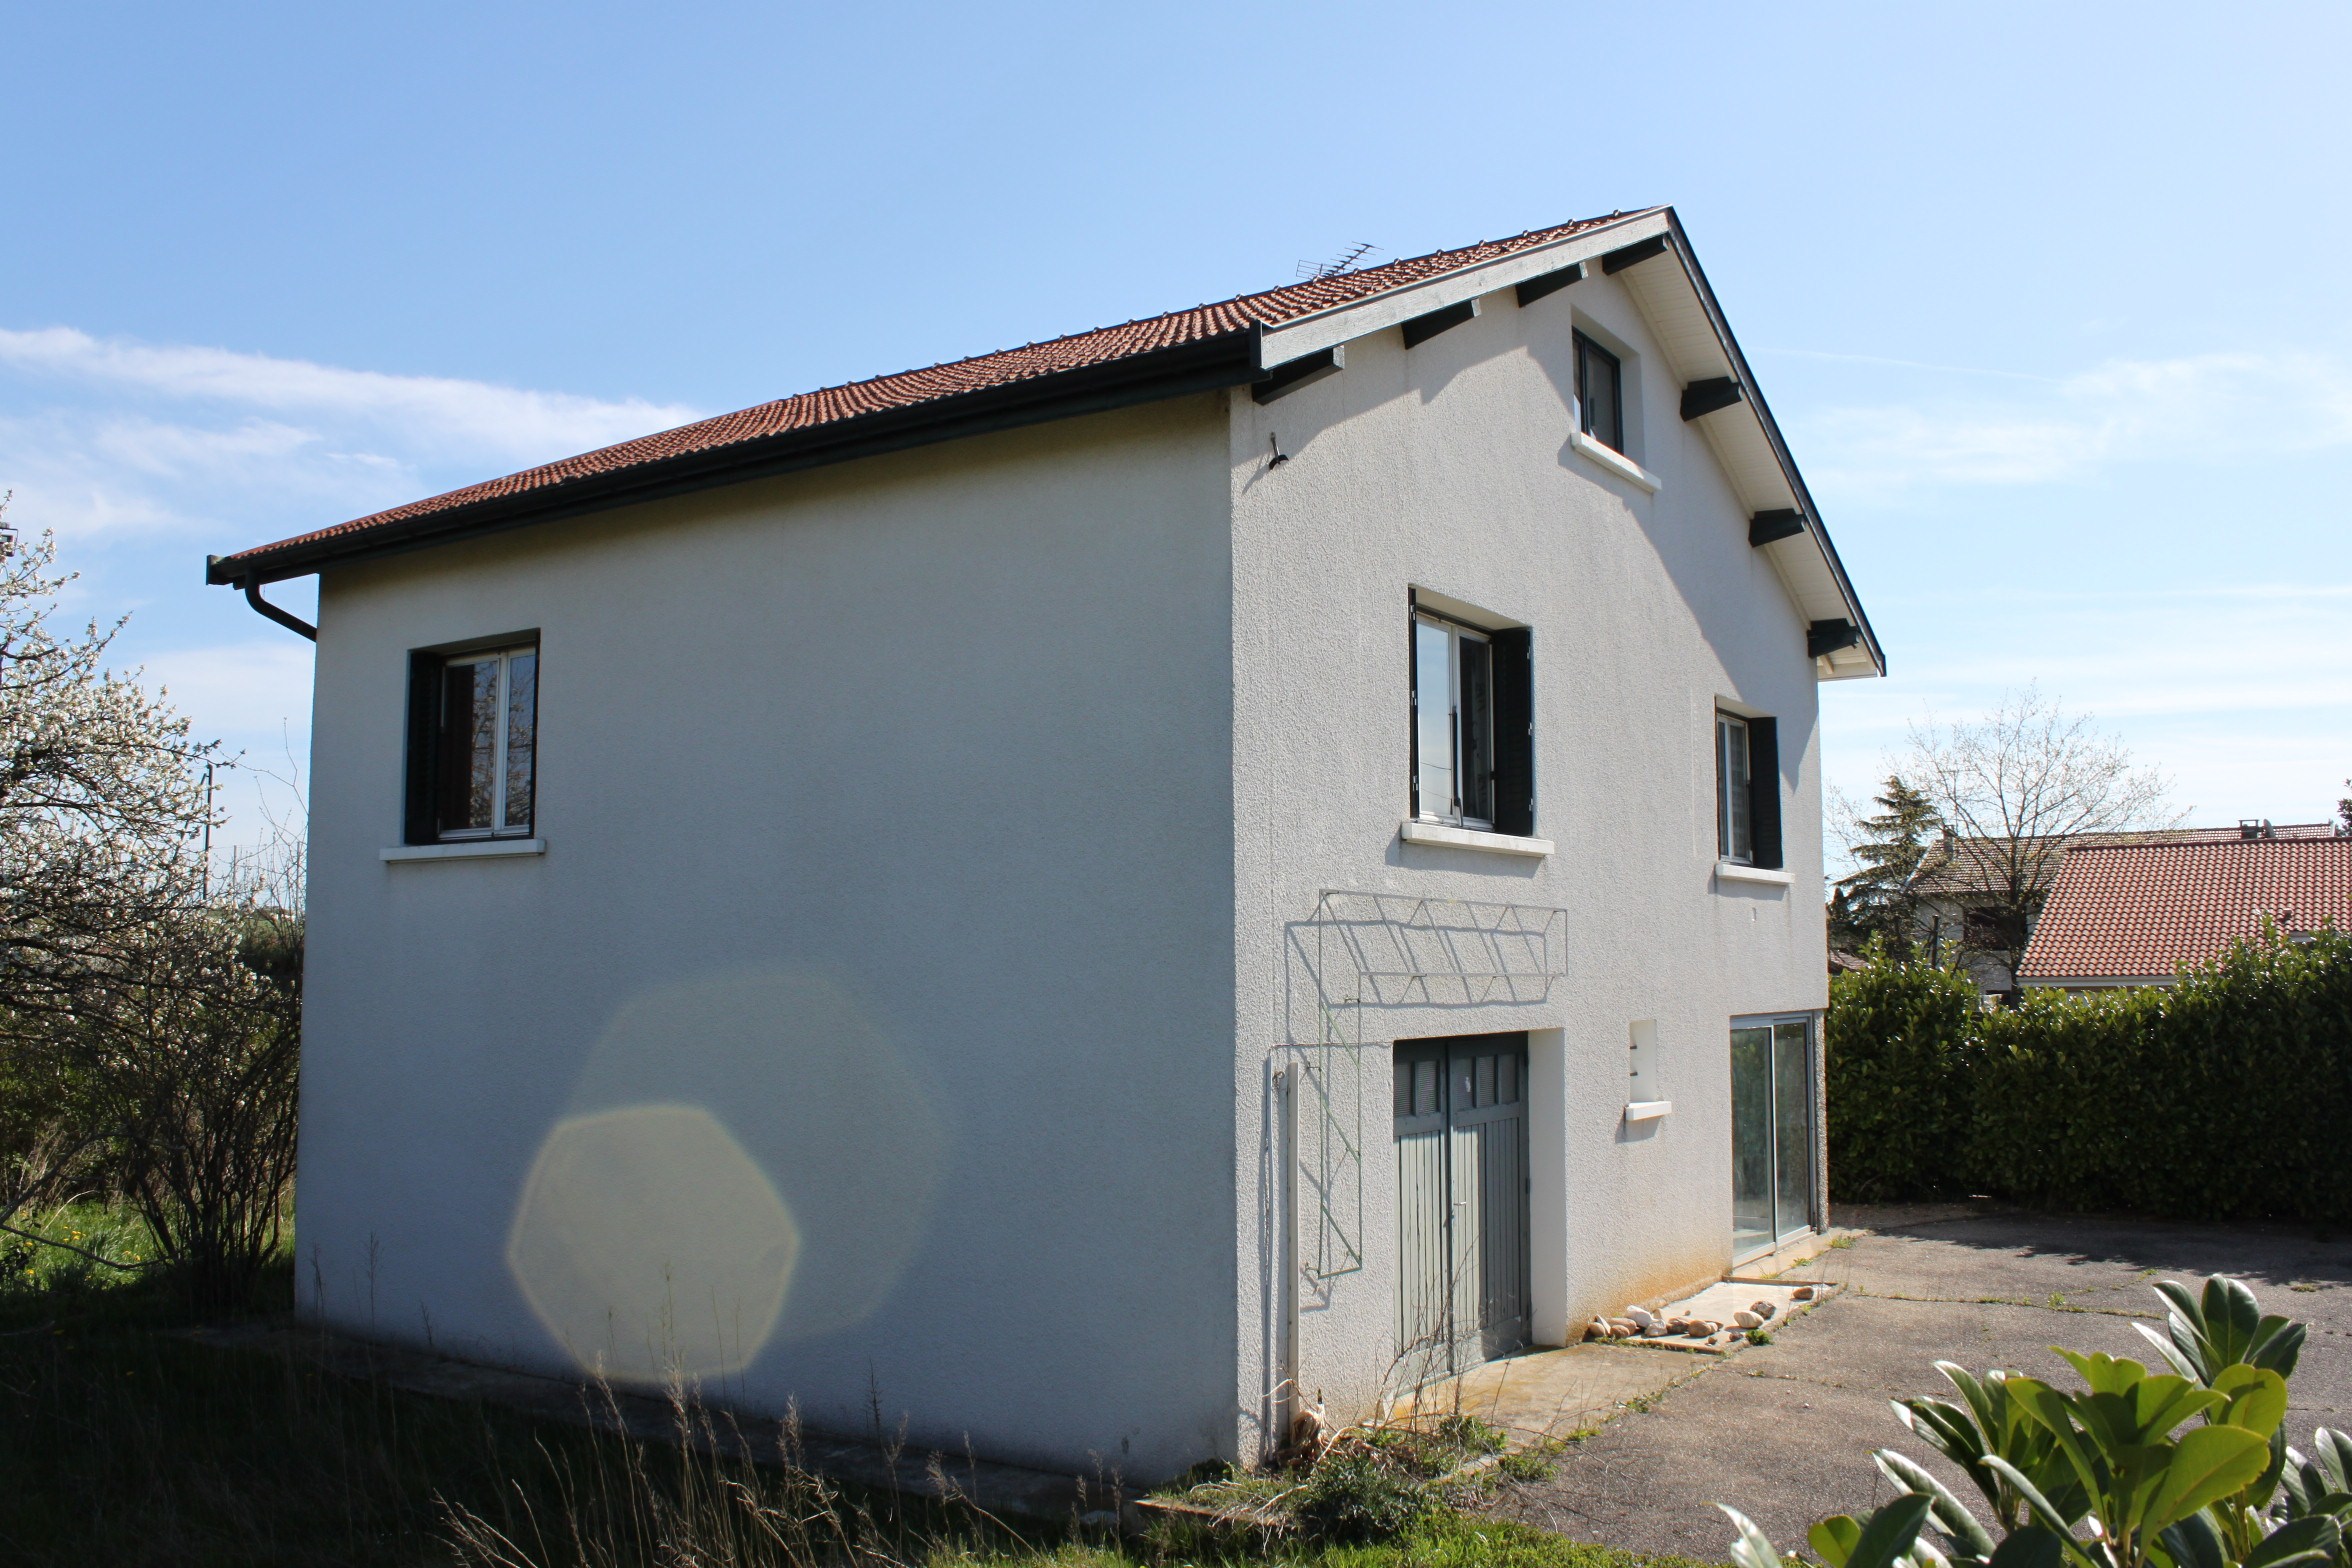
(2050, 300)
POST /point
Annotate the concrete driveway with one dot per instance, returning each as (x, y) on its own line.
(1784, 1431)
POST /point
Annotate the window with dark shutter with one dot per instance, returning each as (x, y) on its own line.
(1453, 722)
(473, 744)
(1747, 790)
(1734, 823)
(1600, 394)
(1473, 746)
(1514, 718)
(1764, 791)
(424, 694)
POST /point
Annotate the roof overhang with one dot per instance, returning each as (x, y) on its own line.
(1228, 359)
(1646, 251)
(1649, 253)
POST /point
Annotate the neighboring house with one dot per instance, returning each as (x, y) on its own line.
(1963, 881)
(1077, 895)
(2134, 914)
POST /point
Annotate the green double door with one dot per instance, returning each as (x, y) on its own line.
(1772, 1196)
(1462, 1201)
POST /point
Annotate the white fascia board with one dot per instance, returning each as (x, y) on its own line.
(1361, 318)
(1672, 303)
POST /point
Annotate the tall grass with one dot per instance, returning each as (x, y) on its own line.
(127, 1443)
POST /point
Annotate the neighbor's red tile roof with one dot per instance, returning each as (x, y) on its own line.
(2120, 911)
(911, 388)
(1970, 866)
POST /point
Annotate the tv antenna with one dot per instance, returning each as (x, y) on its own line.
(1346, 261)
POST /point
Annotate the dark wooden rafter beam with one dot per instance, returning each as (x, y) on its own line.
(1421, 329)
(1702, 398)
(1826, 637)
(1550, 283)
(1300, 372)
(1634, 255)
(1781, 523)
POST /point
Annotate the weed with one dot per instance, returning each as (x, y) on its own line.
(1759, 1336)
(1840, 1243)
(1361, 1495)
(1468, 1434)
(2057, 1302)
(1533, 1464)
(210, 1455)
(2303, 1285)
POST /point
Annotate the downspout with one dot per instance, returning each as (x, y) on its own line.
(284, 617)
(1289, 1399)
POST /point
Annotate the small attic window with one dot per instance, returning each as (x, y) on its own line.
(1600, 394)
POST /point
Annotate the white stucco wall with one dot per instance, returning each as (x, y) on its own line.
(932, 843)
(880, 958)
(1448, 468)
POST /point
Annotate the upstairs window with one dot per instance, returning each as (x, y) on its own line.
(1600, 394)
(1472, 726)
(473, 745)
(1747, 790)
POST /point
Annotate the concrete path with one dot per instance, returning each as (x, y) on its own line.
(1570, 1391)
(1784, 1431)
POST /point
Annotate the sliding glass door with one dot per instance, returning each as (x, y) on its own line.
(1772, 1195)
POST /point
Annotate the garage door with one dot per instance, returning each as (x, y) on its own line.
(1462, 1190)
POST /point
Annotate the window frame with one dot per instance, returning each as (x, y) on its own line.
(1761, 821)
(1587, 345)
(1457, 632)
(1733, 824)
(428, 741)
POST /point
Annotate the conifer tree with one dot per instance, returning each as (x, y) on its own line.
(1877, 899)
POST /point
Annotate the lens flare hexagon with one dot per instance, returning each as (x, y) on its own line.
(651, 1245)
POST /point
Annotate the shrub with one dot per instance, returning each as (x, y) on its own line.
(1895, 1038)
(1362, 1494)
(2186, 1466)
(2223, 1097)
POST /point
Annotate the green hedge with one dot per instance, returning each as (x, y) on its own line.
(2227, 1096)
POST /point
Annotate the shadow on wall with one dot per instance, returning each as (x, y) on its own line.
(1690, 558)
(745, 1160)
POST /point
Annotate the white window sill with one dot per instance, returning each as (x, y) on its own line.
(468, 849)
(1614, 461)
(1647, 1110)
(1733, 871)
(1473, 838)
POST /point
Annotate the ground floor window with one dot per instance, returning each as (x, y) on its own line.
(1772, 1194)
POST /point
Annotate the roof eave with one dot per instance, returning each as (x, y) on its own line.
(1762, 413)
(1205, 364)
(1338, 324)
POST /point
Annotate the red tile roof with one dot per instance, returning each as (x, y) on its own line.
(2121, 911)
(1969, 866)
(913, 388)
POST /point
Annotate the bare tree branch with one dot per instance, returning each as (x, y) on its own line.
(2021, 784)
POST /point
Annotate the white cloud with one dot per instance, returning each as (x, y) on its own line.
(471, 416)
(107, 437)
(2212, 406)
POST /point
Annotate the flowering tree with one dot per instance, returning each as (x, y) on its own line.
(148, 1022)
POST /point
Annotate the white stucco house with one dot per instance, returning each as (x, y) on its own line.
(1080, 893)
